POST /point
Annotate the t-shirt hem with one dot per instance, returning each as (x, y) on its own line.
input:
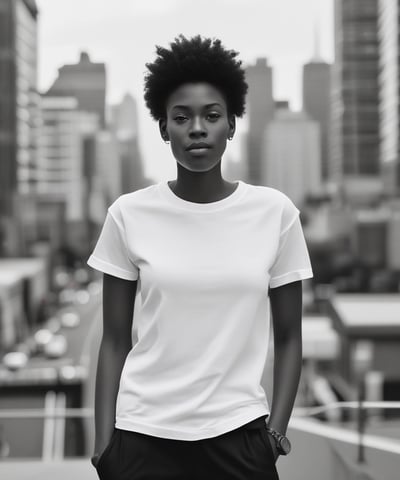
(105, 267)
(256, 411)
(291, 277)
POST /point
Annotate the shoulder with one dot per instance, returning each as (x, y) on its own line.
(271, 195)
(128, 201)
(276, 204)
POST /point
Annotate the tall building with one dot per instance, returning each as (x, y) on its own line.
(124, 124)
(393, 247)
(18, 103)
(62, 148)
(292, 150)
(316, 102)
(355, 102)
(86, 81)
(107, 180)
(261, 106)
(389, 88)
(67, 147)
(370, 237)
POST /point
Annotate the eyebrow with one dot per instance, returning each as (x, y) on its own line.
(185, 107)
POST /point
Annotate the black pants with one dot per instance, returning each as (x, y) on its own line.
(241, 454)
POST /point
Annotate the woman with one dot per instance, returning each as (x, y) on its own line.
(206, 256)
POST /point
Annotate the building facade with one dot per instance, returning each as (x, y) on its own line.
(316, 102)
(355, 99)
(18, 101)
(67, 155)
(124, 125)
(393, 247)
(389, 93)
(261, 107)
(293, 156)
(86, 81)
(61, 162)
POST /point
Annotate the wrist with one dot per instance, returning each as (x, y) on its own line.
(282, 443)
(274, 425)
(94, 458)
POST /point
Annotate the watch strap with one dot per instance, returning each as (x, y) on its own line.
(277, 436)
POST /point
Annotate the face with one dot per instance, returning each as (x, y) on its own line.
(198, 125)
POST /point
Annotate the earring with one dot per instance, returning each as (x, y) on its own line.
(166, 141)
(230, 137)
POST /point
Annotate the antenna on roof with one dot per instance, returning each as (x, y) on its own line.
(317, 42)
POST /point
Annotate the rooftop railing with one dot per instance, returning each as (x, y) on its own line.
(335, 452)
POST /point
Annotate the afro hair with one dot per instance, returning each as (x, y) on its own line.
(194, 60)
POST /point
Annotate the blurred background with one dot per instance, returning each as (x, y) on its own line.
(322, 125)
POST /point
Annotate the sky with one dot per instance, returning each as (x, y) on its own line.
(123, 35)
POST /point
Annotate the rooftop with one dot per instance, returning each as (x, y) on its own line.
(379, 313)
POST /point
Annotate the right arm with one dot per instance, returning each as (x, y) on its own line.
(118, 306)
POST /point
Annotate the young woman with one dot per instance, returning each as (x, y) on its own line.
(208, 258)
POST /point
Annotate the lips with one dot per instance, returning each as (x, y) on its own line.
(198, 146)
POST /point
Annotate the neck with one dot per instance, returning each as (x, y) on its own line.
(203, 187)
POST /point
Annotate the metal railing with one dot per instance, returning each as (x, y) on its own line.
(55, 413)
(355, 405)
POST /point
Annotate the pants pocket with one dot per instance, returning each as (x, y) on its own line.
(265, 438)
(107, 450)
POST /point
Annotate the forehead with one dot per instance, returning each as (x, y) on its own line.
(194, 95)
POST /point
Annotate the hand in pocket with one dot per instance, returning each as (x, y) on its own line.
(273, 447)
(98, 459)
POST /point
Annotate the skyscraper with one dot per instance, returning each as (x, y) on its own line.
(355, 102)
(293, 156)
(62, 153)
(85, 81)
(260, 105)
(125, 128)
(18, 101)
(316, 102)
(66, 161)
(389, 88)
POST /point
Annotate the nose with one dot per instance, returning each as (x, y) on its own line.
(197, 128)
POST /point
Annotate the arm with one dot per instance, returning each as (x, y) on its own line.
(286, 308)
(118, 307)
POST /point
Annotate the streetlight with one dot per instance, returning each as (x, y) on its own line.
(362, 359)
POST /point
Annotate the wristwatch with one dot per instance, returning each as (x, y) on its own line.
(281, 441)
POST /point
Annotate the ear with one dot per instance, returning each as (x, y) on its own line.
(232, 125)
(162, 125)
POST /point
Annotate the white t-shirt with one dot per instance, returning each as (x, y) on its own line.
(203, 272)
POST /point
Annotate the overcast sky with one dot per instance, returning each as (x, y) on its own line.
(123, 34)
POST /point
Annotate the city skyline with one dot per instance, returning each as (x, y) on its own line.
(330, 172)
(113, 33)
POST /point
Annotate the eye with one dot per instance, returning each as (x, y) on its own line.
(213, 116)
(180, 118)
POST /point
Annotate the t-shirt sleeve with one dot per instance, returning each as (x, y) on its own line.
(292, 261)
(110, 254)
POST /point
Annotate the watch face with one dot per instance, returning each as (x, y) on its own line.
(285, 445)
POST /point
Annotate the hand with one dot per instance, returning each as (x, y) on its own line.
(94, 459)
(100, 451)
(273, 446)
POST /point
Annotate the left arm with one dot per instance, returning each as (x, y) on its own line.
(286, 309)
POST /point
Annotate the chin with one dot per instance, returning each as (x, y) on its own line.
(197, 165)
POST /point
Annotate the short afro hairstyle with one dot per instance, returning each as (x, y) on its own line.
(194, 60)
